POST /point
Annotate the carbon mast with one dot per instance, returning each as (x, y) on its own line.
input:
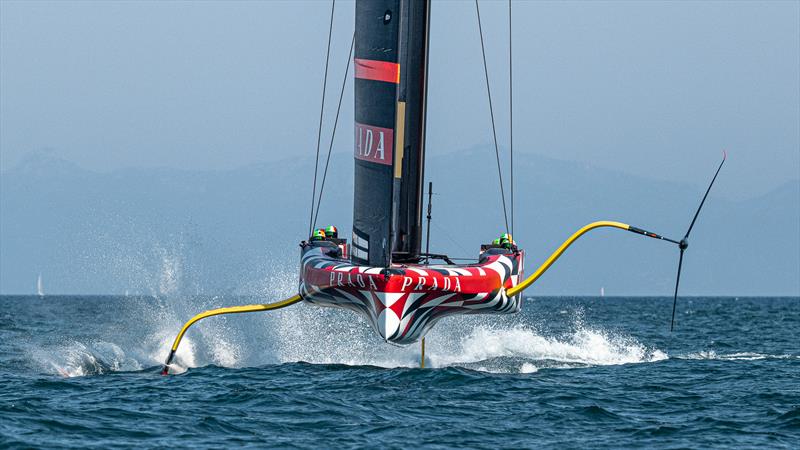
(391, 64)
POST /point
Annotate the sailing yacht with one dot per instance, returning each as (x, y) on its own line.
(39, 286)
(382, 273)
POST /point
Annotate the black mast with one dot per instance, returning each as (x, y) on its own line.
(412, 95)
(391, 55)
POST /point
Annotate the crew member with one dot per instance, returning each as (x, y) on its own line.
(331, 232)
(507, 242)
(318, 235)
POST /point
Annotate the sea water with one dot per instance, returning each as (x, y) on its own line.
(579, 372)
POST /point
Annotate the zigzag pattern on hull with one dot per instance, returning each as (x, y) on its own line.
(403, 302)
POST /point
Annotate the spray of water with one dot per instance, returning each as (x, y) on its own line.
(75, 359)
(507, 344)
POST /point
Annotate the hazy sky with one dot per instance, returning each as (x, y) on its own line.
(650, 88)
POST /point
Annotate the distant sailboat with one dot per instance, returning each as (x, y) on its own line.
(39, 286)
(602, 291)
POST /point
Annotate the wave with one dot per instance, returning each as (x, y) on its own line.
(313, 335)
(322, 336)
(307, 333)
(583, 347)
(77, 359)
(740, 356)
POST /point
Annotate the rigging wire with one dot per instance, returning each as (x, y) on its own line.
(321, 112)
(333, 133)
(511, 114)
(446, 234)
(491, 113)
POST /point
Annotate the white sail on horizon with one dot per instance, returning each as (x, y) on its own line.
(39, 286)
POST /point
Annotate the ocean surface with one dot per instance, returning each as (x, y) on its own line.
(567, 372)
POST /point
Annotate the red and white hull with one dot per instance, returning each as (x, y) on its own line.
(403, 302)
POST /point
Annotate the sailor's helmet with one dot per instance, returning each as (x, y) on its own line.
(331, 232)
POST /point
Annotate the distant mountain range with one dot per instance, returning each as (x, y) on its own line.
(168, 231)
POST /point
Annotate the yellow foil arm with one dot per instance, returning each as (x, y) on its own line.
(543, 268)
(219, 311)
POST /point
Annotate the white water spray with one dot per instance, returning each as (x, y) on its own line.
(508, 344)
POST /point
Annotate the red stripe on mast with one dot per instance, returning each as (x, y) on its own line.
(368, 69)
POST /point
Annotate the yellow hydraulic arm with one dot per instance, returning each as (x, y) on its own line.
(556, 254)
(230, 310)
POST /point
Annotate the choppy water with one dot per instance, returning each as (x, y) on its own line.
(567, 372)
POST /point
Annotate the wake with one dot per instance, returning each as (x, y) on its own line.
(315, 335)
(306, 333)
